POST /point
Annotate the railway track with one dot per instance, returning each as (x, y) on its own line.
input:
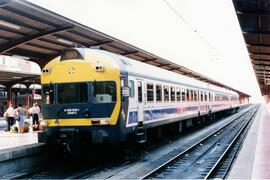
(68, 169)
(211, 157)
(67, 172)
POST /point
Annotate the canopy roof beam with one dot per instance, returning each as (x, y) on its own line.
(17, 42)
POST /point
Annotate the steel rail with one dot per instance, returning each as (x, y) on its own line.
(213, 169)
(148, 175)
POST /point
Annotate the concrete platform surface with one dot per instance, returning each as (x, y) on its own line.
(253, 161)
(261, 166)
(10, 140)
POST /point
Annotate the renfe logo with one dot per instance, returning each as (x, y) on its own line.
(71, 111)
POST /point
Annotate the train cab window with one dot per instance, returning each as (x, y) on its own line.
(131, 85)
(201, 96)
(183, 95)
(104, 92)
(72, 93)
(158, 93)
(150, 92)
(178, 94)
(48, 94)
(166, 93)
(140, 94)
(172, 94)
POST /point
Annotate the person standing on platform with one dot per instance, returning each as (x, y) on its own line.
(10, 114)
(35, 111)
(21, 112)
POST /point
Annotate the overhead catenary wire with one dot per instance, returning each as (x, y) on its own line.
(190, 26)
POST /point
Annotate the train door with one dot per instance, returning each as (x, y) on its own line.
(141, 100)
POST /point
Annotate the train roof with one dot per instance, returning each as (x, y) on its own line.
(143, 70)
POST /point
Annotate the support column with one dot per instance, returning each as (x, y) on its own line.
(15, 98)
(27, 97)
(9, 95)
(33, 95)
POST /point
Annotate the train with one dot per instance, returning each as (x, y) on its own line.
(96, 96)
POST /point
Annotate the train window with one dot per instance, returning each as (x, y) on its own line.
(183, 95)
(72, 93)
(131, 85)
(150, 92)
(234, 98)
(139, 91)
(191, 95)
(104, 92)
(172, 94)
(201, 96)
(188, 95)
(178, 94)
(158, 93)
(218, 97)
(48, 94)
(195, 95)
(166, 93)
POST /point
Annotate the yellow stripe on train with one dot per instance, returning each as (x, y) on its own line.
(78, 122)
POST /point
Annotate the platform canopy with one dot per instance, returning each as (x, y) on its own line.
(29, 30)
(14, 70)
(254, 19)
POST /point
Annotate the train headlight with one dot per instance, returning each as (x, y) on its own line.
(100, 121)
(99, 67)
(43, 123)
(104, 121)
(46, 70)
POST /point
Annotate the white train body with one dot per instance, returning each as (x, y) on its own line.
(180, 98)
(105, 96)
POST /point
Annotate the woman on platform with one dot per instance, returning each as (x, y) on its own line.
(21, 112)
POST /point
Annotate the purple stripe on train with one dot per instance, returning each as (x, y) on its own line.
(160, 113)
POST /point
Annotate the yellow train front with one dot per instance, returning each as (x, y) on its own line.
(81, 98)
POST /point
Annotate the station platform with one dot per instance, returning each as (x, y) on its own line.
(11, 140)
(19, 152)
(253, 161)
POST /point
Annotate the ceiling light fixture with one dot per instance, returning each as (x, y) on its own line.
(20, 57)
(8, 24)
(65, 41)
(16, 77)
